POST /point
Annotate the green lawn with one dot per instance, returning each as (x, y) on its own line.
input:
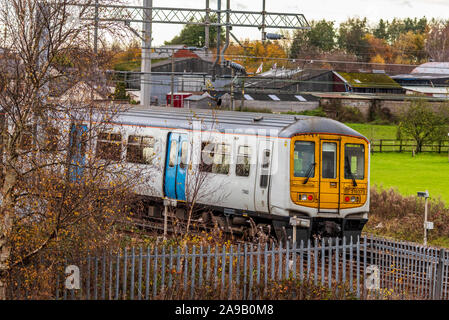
(400, 170)
(373, 131)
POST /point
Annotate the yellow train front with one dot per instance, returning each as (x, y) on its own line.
(329, 180)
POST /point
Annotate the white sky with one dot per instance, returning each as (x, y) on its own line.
(336, 10)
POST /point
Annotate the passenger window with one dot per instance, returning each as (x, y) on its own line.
(215, 158)
(26, 138)
(184, 153)
(109, 146)
(243, 165)
(329, 159)
(173, 153)
(303, 159)
(140, 149)
(354, 161)
(52, 134)
(207, 156)
(222, 157)
(265, 165)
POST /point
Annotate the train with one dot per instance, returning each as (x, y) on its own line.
(297, 176)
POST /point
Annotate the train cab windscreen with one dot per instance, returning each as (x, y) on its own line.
(304, 158)
(354, 161)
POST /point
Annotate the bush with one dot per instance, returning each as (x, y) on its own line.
(318, 112)
(395, 215)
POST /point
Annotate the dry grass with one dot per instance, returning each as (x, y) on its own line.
(402, 217)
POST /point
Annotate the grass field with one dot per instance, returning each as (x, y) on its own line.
(373, 131)
(411, 174)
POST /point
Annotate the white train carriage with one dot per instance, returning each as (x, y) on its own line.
(262, 166)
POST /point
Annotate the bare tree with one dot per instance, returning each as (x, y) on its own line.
(437, 41)
(56, 190)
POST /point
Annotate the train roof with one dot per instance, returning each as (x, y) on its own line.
(282, 125)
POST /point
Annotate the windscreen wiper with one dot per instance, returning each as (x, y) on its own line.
(354, 183)
(309, 172)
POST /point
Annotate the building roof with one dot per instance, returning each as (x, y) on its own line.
(182, 51)
(277, 79)
(231, 121)
(436, 91)
(273, 97)
(199, 97)
(367, 80)
(432, 68)
(417, 76)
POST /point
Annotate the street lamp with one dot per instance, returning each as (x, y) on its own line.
(427, 224)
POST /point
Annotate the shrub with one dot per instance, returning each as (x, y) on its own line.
(395, 215)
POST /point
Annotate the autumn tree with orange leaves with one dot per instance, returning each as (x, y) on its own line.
(253, 53)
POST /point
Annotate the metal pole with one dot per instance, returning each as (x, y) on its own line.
(207, 28)
(243, 94)
(165, 220)
(232, 89)
(172, 85)
(425, 222)
(263, 20)
(228, 11)
(145, 79)
(294, 236)
(217, 59)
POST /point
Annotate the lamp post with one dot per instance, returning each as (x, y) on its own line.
(427, 225)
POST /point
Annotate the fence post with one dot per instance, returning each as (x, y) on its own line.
(440, 268)
(380, 146)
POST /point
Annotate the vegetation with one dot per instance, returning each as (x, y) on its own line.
(411, 174)
(194, 35)
(374, 131)
(253, 53)
(47, 211)
(424, 124)
(407, 41)
(318, 112)
(402, 217)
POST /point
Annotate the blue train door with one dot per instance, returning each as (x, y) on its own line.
(77, 151)
(176, 166)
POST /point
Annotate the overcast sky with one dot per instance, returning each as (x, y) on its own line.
(337, 11)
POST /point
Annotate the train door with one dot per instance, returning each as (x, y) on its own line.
(329, 177)
(261, 190)
(77, 151)
(176, 166)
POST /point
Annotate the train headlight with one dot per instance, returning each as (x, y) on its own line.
(352, 199)
(303, 197)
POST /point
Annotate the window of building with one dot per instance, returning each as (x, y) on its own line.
(109, 146)
(140, 149)
(243, 165)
